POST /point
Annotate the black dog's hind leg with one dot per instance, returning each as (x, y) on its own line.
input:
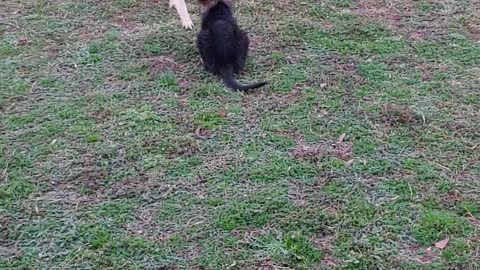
(207, 59)
(242, 56)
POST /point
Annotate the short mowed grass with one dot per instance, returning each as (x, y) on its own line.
(117, 151)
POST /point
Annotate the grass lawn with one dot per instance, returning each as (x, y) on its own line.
(117, 151)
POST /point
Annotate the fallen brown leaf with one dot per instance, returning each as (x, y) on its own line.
(349, 163)
(442, 244)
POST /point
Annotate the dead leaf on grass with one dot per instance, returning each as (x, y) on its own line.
(342, 137)
(442, 244)
(349, 163)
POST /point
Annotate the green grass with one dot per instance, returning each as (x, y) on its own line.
(117, 151)
(436, 225)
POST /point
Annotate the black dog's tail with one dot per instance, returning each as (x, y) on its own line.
(229, 80)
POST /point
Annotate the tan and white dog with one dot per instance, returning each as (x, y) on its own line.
(182, 11)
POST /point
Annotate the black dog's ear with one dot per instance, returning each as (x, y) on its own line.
(205, 5)
(230, 4)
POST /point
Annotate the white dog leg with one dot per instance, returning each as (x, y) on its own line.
(182, 11)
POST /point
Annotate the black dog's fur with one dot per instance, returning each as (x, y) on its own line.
(223, 46)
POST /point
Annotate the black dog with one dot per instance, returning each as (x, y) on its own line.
(222, 45)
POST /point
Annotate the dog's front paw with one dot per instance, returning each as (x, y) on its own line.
(187, 24)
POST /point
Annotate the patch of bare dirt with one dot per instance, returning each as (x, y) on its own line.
(473, 27)
(274, 102)
(123, 21)
(257, 40)
(461, 125)
(285, 4)
(391, 12)
(269, 265)
(160, 64)
(419, 35)
(191, 253)
(391, 17)
(101, 115)
(9, 249)
(395, 15)
(173, 147)
(344, 150)
(340, 149)
(406, 17)
(309, 152)
(141, 185)
(427, 72)
(90, 176)
(4, 221)
(396, 114)
(325, 243)
(348, 66)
